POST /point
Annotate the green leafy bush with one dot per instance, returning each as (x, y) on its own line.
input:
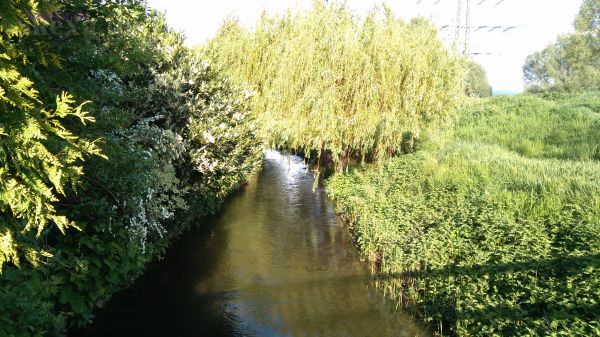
(480, 240)
(175, 136)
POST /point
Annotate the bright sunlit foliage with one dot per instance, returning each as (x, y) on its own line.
(39, 156)
(328, 81)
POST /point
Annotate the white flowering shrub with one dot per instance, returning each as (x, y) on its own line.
(147, 213)
(221, 146)
(111, 82)
(224, 147)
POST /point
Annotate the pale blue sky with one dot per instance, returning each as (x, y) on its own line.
(538, 23)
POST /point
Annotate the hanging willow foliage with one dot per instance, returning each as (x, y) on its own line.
(327, 81)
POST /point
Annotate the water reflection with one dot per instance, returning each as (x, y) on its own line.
(275, 262)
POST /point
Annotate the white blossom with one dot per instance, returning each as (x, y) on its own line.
(209, 138)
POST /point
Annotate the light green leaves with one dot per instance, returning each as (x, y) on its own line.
(330, 83)
(38, 155)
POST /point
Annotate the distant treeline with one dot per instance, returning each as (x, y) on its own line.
(572, 63)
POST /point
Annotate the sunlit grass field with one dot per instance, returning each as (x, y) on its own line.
(567, 128)
(494, 230)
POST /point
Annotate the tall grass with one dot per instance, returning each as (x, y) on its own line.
(482, 238)
(537, 128)
(326, 80)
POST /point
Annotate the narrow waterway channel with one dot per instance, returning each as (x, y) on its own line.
(274, 262)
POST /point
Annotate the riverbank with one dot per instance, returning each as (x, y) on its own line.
(495, 228)
(275, 261)
(109, 141)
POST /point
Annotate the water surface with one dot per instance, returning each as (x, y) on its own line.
(275, 262)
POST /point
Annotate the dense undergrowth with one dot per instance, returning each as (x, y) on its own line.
(494, 229)
(84, 208)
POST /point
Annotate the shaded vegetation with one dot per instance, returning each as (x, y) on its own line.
(90, 205)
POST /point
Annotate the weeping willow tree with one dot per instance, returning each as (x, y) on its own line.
(329, 82)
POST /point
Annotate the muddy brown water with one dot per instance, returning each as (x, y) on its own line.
(275, 261)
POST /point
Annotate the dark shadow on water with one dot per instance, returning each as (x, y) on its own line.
(159, 303)
(274, 262)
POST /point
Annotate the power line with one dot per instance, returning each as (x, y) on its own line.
(480, 2)
(475, 29)
(485, 53)
(463, 28)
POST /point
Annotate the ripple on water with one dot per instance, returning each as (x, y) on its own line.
(274, 262)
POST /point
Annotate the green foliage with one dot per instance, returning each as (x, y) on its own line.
(537, 128)
(328, 82)
(588, 19)
(573, 62)
(39, 156)
(153, 101)
(476, 83)
(481, 237)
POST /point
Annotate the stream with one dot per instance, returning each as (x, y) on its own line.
(275, 261)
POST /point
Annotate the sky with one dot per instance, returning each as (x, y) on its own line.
(536, 24)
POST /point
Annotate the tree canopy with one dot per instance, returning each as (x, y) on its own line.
(327, 82)
(572, 63)
(476, 82)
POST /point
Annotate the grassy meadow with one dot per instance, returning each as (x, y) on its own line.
(493, 229)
